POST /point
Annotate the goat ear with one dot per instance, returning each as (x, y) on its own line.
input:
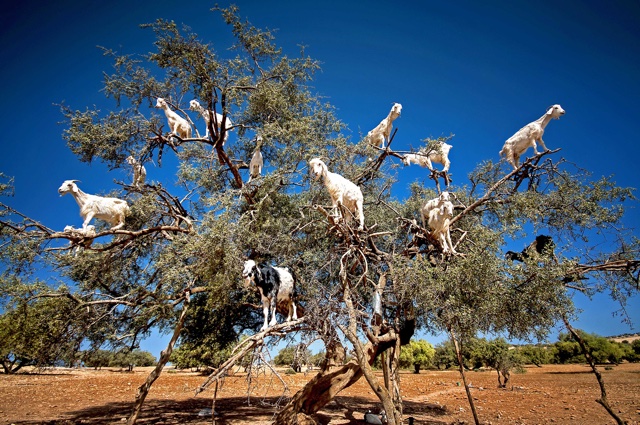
(549, 110)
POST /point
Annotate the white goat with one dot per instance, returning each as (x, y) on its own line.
(526, 137)
(424, 158)
(89, 231)
(435, 203)
(437, 213)
(194, 105)
(177, 125)
(382, 132)
(439, 223)
(257, 161)
(111, 210)
(341, 190)
(139, 172)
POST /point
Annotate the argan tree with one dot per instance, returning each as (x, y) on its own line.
(416, 355)
(176, 265)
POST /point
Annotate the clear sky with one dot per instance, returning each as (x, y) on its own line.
(476, 69)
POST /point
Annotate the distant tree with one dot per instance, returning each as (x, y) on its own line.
(499, 356)
(317, 359)
(635, 346)
(285, 356)
(471, 354)
(42, 332)
(536, 354)
(143, 358)
(418, 354)
(405, 360)
(207, 333)
(198, 357)
(296, 356)
(476, 351)
(445, 355)
(567, 351)
(603, 350)
(97, 359)
(183, 357)
(600, 349)
(129, 359)
(627, 352)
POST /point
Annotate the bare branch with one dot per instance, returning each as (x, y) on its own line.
(245, 347)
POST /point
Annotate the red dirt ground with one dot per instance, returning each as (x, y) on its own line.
(551, 394)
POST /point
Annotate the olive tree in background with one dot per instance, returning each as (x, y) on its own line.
(417, 354)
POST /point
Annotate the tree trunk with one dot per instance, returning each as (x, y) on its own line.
(464, 377)
(365, 353)
(318, 392)
(143, 389)
(603, 392)
(503, 373)
(331, 380)
(9, 368)
(335, 377)
(507, 375)
(384, 361)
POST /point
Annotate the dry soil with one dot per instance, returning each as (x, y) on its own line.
(550, 394)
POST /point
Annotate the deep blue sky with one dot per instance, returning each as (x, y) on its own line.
(479, 70)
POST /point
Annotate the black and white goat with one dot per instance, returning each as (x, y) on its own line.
(277, 287)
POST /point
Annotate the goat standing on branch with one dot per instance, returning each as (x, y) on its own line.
(257, 161)
(439, 153)
(277, 287)
(111, 210)
(378, 135)
(526, 137)
(341, 190)
(437, 214)
(139, 172)
(218, 119)
(177, 125)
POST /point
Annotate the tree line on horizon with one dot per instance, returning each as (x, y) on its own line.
(477, 353)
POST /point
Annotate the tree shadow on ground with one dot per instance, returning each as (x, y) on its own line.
(236, 410)
(354, 408)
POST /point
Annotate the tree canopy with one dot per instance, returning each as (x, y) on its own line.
(176, 265)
